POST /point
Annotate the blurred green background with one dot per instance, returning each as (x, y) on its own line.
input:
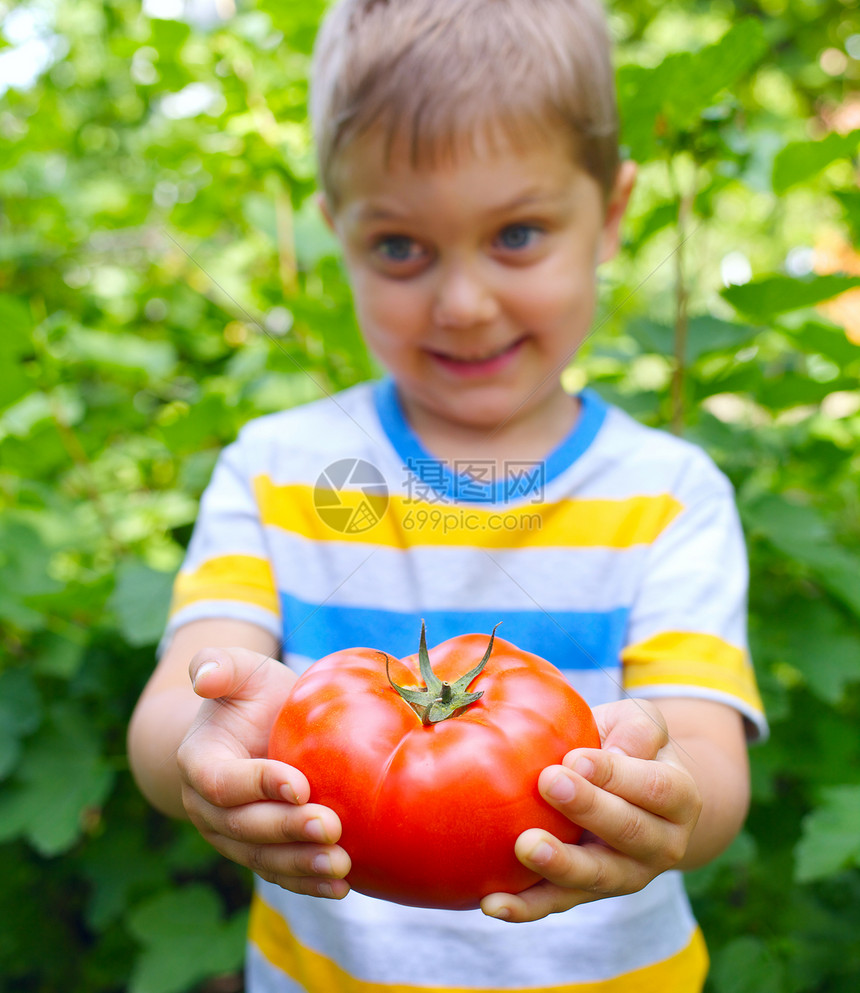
(164, 277)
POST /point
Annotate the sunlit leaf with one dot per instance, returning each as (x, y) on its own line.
(15, 343)
(671, 95)
(799, 161)
(772, 295)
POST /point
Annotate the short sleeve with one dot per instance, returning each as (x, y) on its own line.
(227, 572)
(687, 633)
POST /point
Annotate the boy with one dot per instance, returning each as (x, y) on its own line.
(469, 166)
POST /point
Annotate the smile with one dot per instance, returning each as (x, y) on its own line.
(479, 365)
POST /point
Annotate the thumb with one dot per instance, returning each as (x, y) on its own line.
(233, 672)
(632, 727)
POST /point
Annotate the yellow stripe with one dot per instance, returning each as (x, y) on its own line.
(228, 577)
(692, 659)
(317, 973)
(405, 522)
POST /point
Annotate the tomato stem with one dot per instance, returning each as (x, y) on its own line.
(438, 700)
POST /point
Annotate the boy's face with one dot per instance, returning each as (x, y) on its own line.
(474, 279)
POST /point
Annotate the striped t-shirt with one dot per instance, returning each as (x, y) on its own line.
(619, 558)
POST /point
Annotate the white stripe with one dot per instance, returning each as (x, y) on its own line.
(446, 948)
(433, 578)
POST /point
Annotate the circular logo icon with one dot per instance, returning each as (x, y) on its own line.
(351, 496)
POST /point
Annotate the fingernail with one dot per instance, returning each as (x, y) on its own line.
(501, 913)
(289, 794)
(322, 865)
(204, 669)
(583, 766)
(315, 830)
(325, 889)
(561, 789)
(541, 853)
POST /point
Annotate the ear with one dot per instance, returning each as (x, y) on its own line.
(615, 207)
(325, 210)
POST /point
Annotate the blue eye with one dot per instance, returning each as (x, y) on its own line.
(398, 248)
(516, 236)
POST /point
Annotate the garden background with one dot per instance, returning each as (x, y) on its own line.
(164, 277)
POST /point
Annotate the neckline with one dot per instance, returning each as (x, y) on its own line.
(524, 481)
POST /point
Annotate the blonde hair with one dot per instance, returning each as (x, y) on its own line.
(436, 72)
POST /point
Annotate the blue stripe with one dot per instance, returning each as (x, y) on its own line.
(528, 478)
(568, 639)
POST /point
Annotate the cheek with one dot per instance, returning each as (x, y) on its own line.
(388, 310)
(550, 305)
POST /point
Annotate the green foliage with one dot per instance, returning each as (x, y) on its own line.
(165, 276)
(184, 940)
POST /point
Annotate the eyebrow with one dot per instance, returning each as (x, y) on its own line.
(369, 213)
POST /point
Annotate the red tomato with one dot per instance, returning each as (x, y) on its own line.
(433, 784)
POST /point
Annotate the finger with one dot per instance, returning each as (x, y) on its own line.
(532, 904)
(633, 727)
(663, 787)
(574, 874)
(267, 823)
(311, 869)
(226, 780)
(592, 869)
(623, 824)
(233, 672)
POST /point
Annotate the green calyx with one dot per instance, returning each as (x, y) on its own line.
(438, 700)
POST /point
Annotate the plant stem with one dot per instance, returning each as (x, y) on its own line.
(682, 299)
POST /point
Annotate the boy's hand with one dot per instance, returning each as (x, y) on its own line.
(638, 804)
(235, 796)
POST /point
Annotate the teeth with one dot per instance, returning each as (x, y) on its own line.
(480, 358)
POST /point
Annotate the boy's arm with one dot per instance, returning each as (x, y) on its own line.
(711, 742)
(197, 745)
(669, 789)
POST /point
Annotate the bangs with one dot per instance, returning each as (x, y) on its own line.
(440, 75)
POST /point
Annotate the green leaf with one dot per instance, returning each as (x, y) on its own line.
(184, 940)
(314, 240)
(59, 656)
(674, 94)
(804, 536)
(15, 343)
(705, 334)
(828, 340)
(772, 295)
(830, 839)
(61, 775)
(701, 76)
(119, 865)
(24, 573)
(157, 359)
(20, 714)
(799, 161)
(816, 639)
(849, 200)
(747, 965)
(141, 600)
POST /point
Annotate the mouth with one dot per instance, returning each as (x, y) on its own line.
(480, 363)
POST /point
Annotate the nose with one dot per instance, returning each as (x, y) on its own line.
(463, 297)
